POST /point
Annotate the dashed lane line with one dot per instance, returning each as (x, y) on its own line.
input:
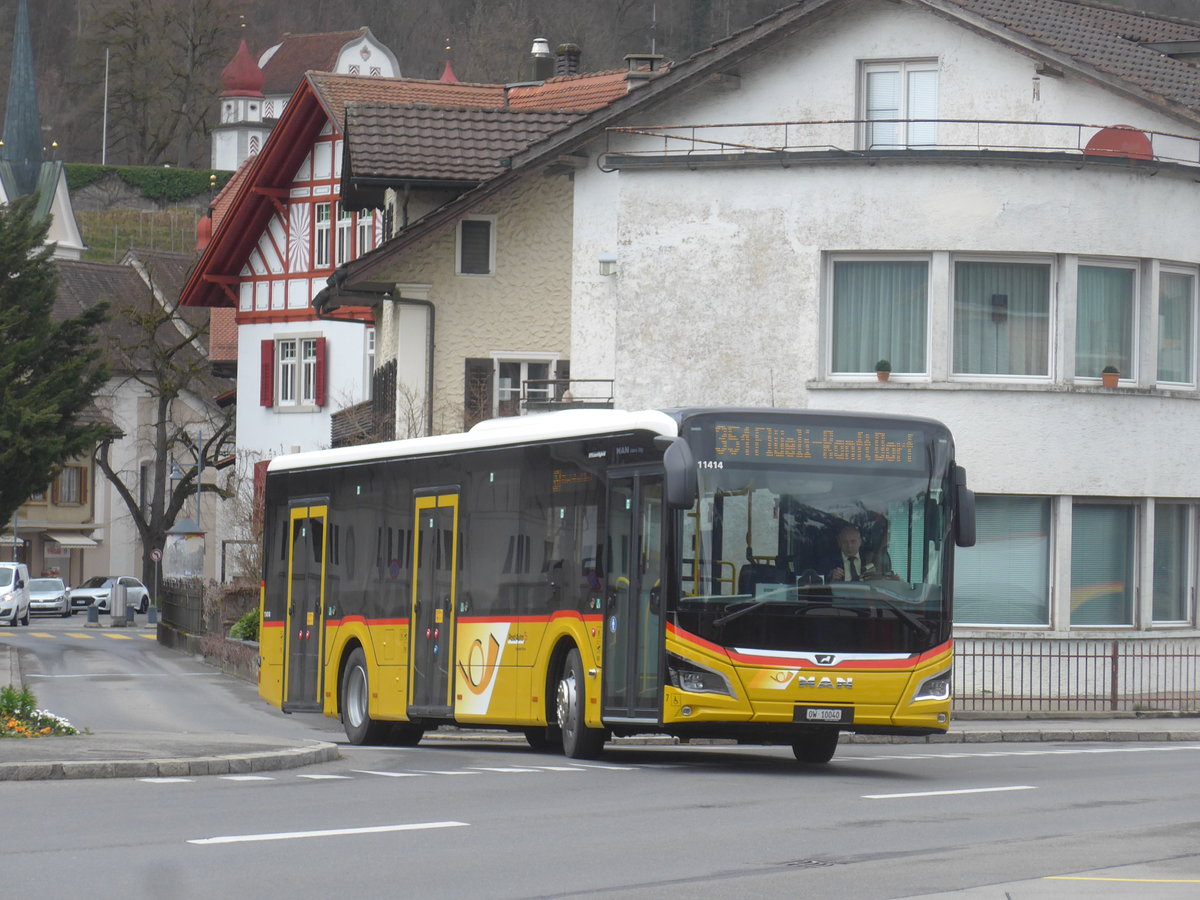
(983, 790)
(326, 832)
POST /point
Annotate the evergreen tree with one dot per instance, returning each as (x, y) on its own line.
(49, 370)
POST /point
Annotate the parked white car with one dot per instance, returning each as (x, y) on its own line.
(50, 595)
(14, 593)
(97, 590)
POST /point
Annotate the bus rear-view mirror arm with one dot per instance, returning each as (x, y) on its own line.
(964, 508)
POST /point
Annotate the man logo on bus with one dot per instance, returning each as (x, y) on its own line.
(478, 671)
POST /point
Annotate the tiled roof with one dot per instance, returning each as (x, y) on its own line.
(298, 53)
(224, 198)
(168, 272)
(386, 141)
(1106, 39)
(222, 334)
(335, 91)
(589, 91)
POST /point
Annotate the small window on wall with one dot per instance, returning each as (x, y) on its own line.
(1104, 320)
(321, 236)
(1001, 318)
(293, 372)
(1176, 326)
(366, 232)
(1171, 563)
(906, 89)
(476, 247)
(879, 311)
(345, 228)
(1102, 564)
(70, 487)
(1005, 578)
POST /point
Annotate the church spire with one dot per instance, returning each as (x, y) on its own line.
(22, 122)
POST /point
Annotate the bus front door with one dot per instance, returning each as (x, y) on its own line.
(633, 620)
(303, 636)
(435, 573)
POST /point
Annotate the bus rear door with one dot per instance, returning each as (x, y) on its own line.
(435, 580)
(304, 632)
(633, 620)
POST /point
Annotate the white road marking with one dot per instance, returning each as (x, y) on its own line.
(246, 777)
(390, 774)
(433, 772)
(502, 769)
(608, 768)
(166, 780)
(319, 777)
(987, 790)
(329, 832)
(1060, 751)
(558, 768)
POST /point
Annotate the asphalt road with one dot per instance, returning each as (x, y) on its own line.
(497, 820)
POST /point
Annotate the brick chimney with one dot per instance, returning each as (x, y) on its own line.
(566, 59)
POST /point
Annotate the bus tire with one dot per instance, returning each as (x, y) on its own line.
(355, 698)
(816, 748)
(579, 741)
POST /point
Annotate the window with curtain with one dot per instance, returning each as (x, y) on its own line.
(1102, 564)
(879, 312)
(1001, 318)
(1170, 562)
(900, 90)
(1104, 320)
(1005, 578)
(1176, 326)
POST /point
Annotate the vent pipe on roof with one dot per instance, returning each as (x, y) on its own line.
(566, 59)
(541, 61)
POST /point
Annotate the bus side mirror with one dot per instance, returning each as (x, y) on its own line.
(679, 469)
(964, 510)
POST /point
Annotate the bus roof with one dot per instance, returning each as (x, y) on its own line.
(511, 430)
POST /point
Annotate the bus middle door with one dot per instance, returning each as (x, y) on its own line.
(435, 581)
(633, 615)
(305, 627)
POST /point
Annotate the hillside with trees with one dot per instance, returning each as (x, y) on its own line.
(164, 57)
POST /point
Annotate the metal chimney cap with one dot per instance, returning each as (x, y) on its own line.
(541, 47)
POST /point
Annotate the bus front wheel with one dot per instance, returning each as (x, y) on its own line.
(356, 692)
(579, 741)
(816, 748)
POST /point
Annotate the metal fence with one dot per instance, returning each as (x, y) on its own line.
(1101, 675)
(181, 604)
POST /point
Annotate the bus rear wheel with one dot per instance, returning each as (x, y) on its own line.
(579, 741)
(816, 748)
(356, 693)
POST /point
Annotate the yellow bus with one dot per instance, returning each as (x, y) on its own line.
(581, 574)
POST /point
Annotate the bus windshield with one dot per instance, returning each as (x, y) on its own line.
(812, 536)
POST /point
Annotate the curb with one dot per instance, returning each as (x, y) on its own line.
(232, 764)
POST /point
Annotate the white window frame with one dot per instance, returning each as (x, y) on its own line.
(369, 362)
(930, 260)
(1194, 274)
(524, 360)
(287, 360)
(1191, 512)
(1052, 326)
(343, 252)
(321, 234)
(458, 243)
(308, 371)
(1138, 303)
(366, 231)
(904, 131)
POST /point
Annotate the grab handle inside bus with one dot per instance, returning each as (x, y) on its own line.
(679, 472)
(964, 509)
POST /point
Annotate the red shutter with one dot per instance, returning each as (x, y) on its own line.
(321, 368)
(266, 385)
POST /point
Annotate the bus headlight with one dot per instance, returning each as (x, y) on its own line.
(935, 687)
(695, 678)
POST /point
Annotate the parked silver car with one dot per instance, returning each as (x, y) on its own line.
(50, 595)
(97, 589)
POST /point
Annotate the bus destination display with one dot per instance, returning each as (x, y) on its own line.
(819, 444)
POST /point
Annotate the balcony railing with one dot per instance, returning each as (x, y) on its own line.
(550, 394)
(755, 143)
(1099, 675)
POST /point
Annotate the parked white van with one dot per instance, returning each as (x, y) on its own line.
(14, 593)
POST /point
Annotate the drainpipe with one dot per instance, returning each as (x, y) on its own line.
(335, 294)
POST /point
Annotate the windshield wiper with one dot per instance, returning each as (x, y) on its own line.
(882, 595)
(769, 599)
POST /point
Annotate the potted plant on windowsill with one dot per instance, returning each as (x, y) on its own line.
(883, 370)
(1109, 376)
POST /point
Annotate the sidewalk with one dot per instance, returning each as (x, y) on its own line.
(161, 755)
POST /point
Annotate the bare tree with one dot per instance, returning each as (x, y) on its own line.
(153, 348)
